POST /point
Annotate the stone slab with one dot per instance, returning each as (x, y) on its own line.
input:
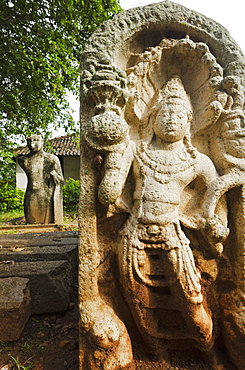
(39, 239)
(40, 247)
(15, 307)
(40, 253)
(50, 283)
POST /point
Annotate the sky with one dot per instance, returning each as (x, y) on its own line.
(229, 14)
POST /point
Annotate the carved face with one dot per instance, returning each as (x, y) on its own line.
(132, 80)
(35, 143)
(171, 123)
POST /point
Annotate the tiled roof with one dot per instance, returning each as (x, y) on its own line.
(61, 146)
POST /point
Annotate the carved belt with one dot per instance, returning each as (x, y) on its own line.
(156, 197)
(166, 236)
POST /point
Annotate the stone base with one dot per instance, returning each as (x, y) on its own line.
(49, 260)
(15, 307)
(50, 283)
(41, 253)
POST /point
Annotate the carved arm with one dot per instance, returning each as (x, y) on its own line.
(212, 228)
(116, 170)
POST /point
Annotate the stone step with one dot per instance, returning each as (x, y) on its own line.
(40, 253)
(50, 283)
(15, 307)
(39, 239)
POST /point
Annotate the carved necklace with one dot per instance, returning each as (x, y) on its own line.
(163, 164)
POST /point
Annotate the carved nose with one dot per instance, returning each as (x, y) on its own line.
(153, 230)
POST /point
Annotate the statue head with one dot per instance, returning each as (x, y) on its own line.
(172, 111)
(35, 143)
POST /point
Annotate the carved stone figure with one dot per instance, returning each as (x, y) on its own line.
(162, 200)
(43, 201)
(156, 262)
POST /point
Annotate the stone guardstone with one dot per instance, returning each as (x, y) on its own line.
(162, 211)
(41, 253)
(15, 307)
(50, 283)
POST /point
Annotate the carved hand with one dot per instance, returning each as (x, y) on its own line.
(56, 177)
(215, 234)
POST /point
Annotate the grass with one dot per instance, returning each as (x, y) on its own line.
(27, 346)
(29, 355)
(69, 224)
(20, 366)
(7, 216)
(3, 346)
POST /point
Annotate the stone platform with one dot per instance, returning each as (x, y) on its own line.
(48, 263)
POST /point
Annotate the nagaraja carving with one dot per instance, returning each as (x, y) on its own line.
(162, 199)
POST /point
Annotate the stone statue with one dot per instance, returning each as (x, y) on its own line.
(155, 258)
(43, 201)
(162, 191)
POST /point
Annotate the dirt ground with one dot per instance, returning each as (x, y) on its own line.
(48, 342)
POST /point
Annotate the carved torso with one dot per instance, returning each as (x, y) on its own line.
(160, 177)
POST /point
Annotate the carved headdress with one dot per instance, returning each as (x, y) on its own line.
(172, 91)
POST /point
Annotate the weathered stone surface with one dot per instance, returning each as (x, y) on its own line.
(20, 254)
(162, 173)
(43, 253)
(50, 283)
(15, 307)
(233, 330)
(43, 198)
(51, 246)
(39, 239)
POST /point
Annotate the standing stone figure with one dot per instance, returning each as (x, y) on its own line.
(157, 266)
(162, 211)
(43, 201)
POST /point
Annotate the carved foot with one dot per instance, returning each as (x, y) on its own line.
(202, 327)
(108, 343)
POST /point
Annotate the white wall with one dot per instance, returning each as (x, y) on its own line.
(21, 179)
(71, 167)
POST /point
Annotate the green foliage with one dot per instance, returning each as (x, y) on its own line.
(10, 197)
(40, 46)
(3, 346)
(71, 192)
(8, 216)
(20, 366)
(7, 165)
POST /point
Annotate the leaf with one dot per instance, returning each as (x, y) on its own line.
(17, 249)
(38, 365)
(8, 262)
